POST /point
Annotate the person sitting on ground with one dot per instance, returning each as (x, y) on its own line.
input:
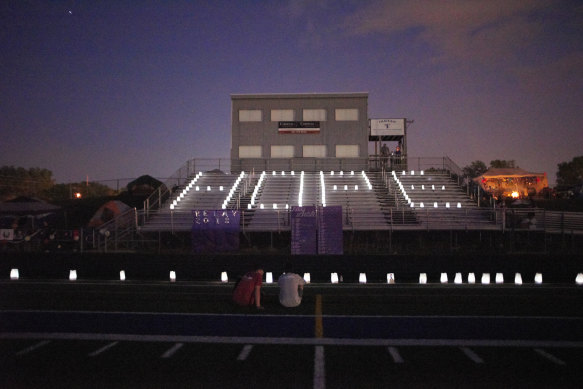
(291, 287)
(248, 290)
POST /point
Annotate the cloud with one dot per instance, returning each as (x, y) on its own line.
(474, 30)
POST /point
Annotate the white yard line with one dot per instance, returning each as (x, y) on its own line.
(103, 349)
(172, 350)
(245, 352)
(472, 355)
(549, 356)
(32, 348)
(319, 368)
(396, 355)
(294, 341)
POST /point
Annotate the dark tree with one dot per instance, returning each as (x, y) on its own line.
(570, 173)
(475, 169)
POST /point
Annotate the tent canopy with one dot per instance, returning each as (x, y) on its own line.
(26, 206)
(507, 172)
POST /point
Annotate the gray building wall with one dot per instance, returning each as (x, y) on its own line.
(332, 132)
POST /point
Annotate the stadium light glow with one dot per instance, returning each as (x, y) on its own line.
(443, 278)
(14, 275)
(423, 278)
(579, 279)
(172, 276)
(499, 278)
(224, 277)
(538, 278)
(269, 277)
(334, 278)
(485, 278)
(518, 279)
(72, 275)
(471, 278)
(307, 278)
(362, 278)
(390, 278)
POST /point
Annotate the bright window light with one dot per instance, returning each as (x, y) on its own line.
(499, 278)
(485, 278)
(14, 275)
(72, 275)
(122, 275)
(443, 278)
(471, 278)
(390, 278)
(423, 278)
(538, 278)
(172, 276)
(307, 277)
(269, 277)
(362, 278)
(518, 279)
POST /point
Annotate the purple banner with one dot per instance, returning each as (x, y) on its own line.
(330, 239)
(215, 230)
(303, 230)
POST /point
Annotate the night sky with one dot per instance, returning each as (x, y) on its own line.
(117, 89)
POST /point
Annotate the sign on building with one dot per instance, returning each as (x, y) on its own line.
(387, 127)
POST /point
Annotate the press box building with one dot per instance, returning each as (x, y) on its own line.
(311, 131)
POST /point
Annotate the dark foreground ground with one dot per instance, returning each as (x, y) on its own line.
(187, 334)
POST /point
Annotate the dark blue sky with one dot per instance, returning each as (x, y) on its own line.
(115, 89)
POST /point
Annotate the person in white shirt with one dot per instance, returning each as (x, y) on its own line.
(291, 288)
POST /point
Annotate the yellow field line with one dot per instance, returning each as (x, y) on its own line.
(319, 327)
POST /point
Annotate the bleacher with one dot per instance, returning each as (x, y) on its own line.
(369, 200)
(437, 201)
(207, 191)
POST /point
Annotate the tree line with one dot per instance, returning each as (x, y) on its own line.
(40, 183)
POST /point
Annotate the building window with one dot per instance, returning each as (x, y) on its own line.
(282, 115)
(314, 151)
(249, 115)
(314, 115)
(285, 151)
(346, 114)
(346, 151)
(249, 151)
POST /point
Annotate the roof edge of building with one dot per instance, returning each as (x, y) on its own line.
(235, 96)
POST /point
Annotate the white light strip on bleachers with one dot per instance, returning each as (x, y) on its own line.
(301, 194)
(185, 191)
(367, 180)
(322, 185)
(233, 189)
(256, 189)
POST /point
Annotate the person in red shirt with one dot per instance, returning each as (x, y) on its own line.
(248, 290)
